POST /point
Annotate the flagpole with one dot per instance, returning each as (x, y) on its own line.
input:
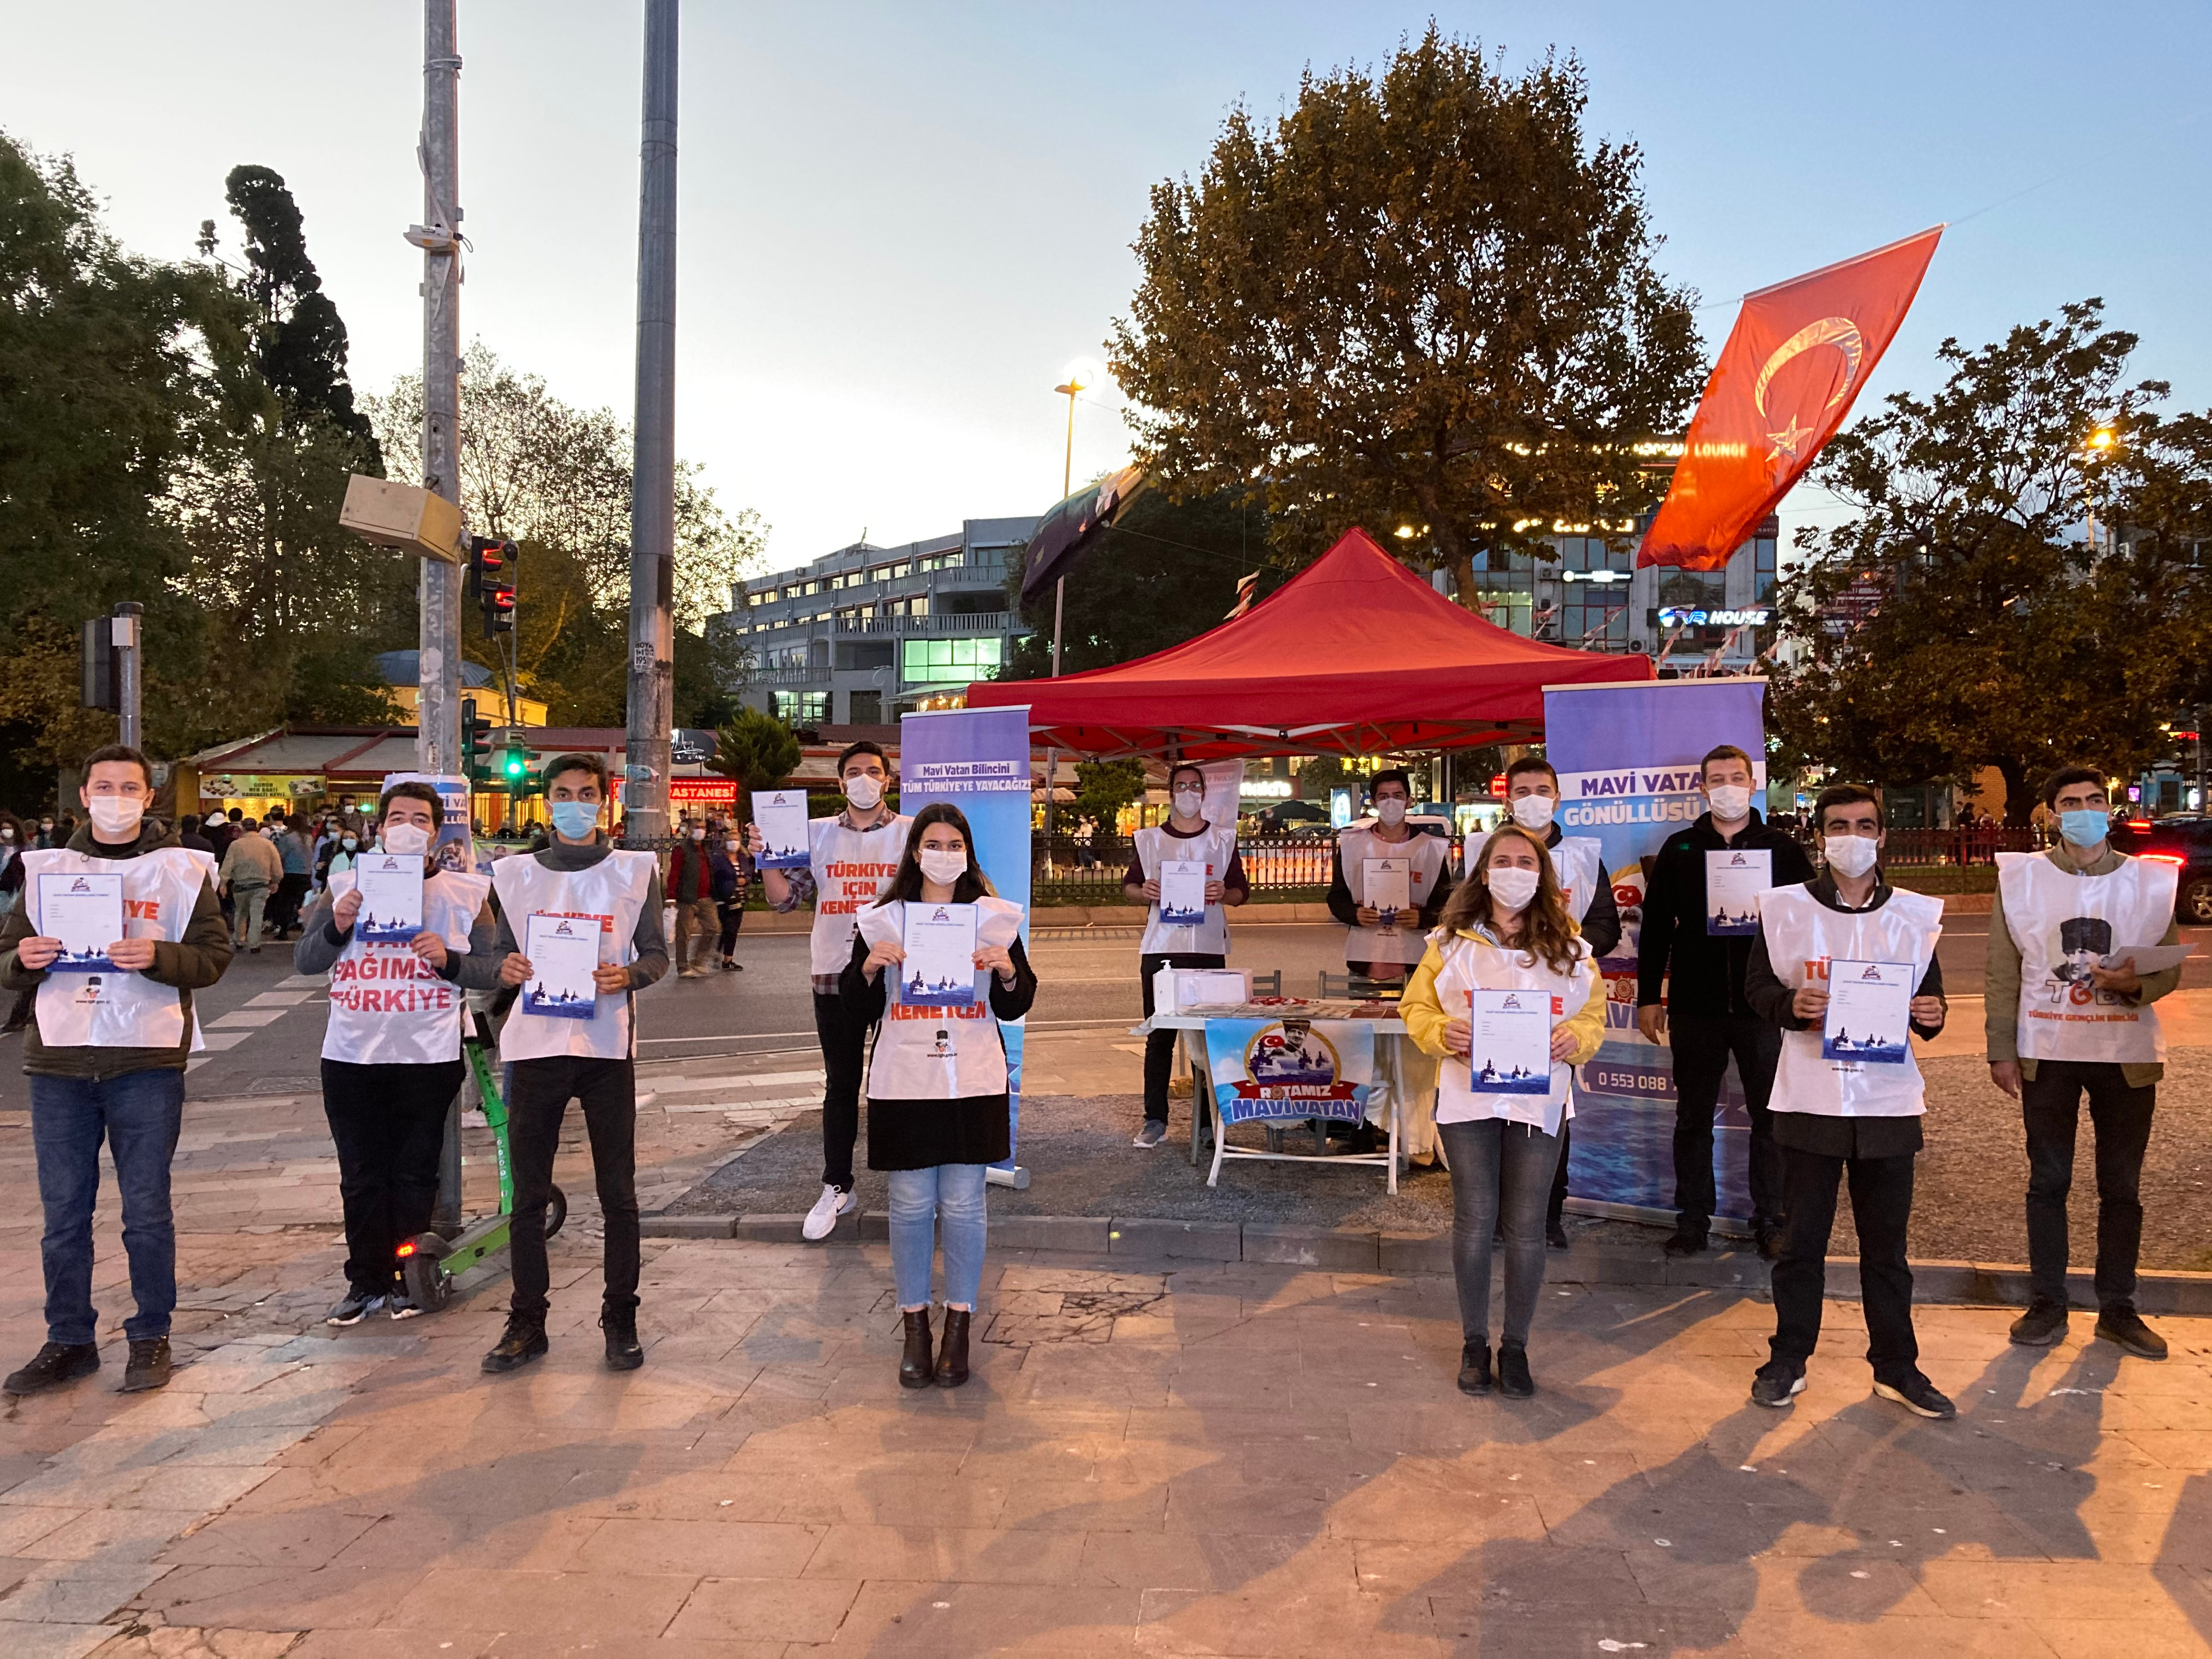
(1059, 602)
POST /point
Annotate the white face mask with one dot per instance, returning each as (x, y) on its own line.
(1534, 812)
(1730, 801)
(349, 844)
(117, 815)
(1851, 855)
(941, 866)
(1391, 811)
(1188, 802)
(864, 790)
(1513, 889)
(698, 835)
(406, 840)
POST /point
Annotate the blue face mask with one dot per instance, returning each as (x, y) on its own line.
(573, 819)
(2085, 826)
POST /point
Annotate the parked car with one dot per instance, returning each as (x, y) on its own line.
(2183, 839)
(1291, 817)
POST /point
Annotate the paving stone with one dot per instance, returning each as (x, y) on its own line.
(1312, 1247)
(1204, 1241)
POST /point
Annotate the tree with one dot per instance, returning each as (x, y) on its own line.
(1166, 572)
(1998, 636)
(1425, 299)
(1103, 788)
(758, 750)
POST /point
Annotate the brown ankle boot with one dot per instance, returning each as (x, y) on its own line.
(952, 1353)
(914, 1363)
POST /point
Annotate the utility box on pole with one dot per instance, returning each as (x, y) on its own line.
(122, 631)
(97, 688)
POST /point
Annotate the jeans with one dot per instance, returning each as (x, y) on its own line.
(249, 899)
(284, 903)
(1501, 1175)
(1702, 1046)
(138, 1115)
(1881, 1205)
(2050, 1106)
(950, 1195)
(697, 925)
(1558, 1205)
(1160, 1046)
(844, 1045)
(389, 1122)
(538, 1099)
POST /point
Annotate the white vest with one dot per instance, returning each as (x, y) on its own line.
(388, 1007)
(2064, 925)
(1579, 862)
(121, 1010)
(940, 1054)
(614, 889)
(1804, 936)
(1426, 854)
(1474, 965)
(851, 869)
(1210, 938)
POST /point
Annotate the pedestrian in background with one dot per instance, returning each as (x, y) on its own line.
(251, 871)
(692, 891)
(189, 837)
(729, 873)
(295, 853)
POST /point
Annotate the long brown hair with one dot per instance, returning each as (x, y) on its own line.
(1546, 929)
(906, 885)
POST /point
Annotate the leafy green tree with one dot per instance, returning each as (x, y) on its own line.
(758, 750)
(1166, 572)
(1424, 299)
(1103, 788)
(1999, 636)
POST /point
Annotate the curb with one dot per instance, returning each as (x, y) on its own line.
(1347, 1249)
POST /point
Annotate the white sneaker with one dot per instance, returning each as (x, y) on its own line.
(821, 1220)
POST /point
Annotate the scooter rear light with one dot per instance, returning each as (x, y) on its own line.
(2165, 858)
(407, 1248)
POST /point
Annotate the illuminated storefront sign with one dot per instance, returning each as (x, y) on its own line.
(1679, 616)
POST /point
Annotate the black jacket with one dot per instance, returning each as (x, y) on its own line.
(1703, 971)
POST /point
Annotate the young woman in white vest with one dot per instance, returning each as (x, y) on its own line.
(391, 1051)
(1851, 1105)
(1505, 928)
(1531, 795)
(937, 1109)
(1185, 836)
(851, 859)
(578, 876)
(2069, 1013)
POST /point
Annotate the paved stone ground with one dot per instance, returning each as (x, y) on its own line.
(1214, 1461)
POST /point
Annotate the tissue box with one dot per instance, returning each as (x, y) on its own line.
(1175, 989)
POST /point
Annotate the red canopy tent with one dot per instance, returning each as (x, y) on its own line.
(1353, 655)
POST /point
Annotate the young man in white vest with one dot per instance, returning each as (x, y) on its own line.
(391, 1051)
(1185, 837)
(1379, 944)
(1845, 1102)
(1532, 793)
(106, 1058)
(580, 876)
(850, 859)
(2069, 1013)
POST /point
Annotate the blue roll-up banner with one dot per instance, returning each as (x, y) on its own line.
(978, 760)
(1627, 759)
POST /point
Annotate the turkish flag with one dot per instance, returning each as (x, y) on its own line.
(1796, 357)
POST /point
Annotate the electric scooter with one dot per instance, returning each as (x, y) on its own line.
(428, 1262)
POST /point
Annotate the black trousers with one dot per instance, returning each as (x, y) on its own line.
(1159, 1046)
(606, 1090)
(1558, 1206)
(1881, 1205)
(732, 914)
(284, 902)
(389, 1122)
(2050, 1106)
(844, 1051)
(1702, 1046)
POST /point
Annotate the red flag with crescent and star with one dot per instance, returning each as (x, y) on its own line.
(1796, 359)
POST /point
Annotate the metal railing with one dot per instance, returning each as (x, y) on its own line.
(1087, 869)
(1924, 847)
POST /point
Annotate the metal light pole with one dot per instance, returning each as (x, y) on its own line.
(1059, 601)
(652, 481)
(438, 713)
(122, 631)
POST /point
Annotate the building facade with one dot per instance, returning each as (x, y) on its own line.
(864, 634)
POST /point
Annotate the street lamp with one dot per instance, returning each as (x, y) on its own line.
(1067, 389)
(2099, 445)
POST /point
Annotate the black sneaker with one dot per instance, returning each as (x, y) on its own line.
(624, 1353)
(1777, 1385)
(1917, 1394)
(148, 1366)
(356, 1307)
(1688, 1238)
(1475, 1368)
(2043, 1325)
(524, 1341)
(2125, 1326)
(1555, 1234)
(1513, 1379)
(1770, 1237)
(54, 1364)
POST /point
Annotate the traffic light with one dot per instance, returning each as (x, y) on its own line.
(476, 743)
(491, 581)
(513, 769)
